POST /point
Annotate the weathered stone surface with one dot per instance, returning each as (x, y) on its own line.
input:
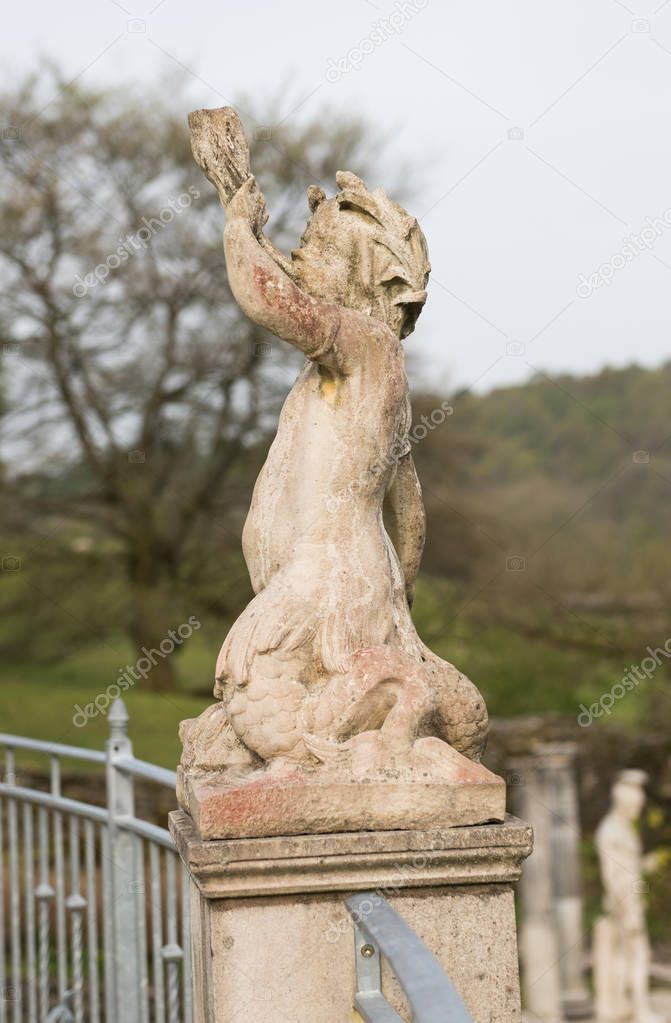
(352, 861)
(302, 802)
(323, 676)
(273, 941)
(342, 752)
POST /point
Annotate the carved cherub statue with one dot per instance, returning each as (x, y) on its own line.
(324, 669)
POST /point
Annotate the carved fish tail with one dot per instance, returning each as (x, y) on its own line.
(460, 712)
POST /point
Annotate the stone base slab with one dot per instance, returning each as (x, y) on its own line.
(303, 803)
(273, 941)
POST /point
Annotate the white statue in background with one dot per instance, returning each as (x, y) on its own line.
(621, 947)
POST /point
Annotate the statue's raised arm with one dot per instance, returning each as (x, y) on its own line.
(322, 681)
(257, 271)
(265, 292)
(359, 252)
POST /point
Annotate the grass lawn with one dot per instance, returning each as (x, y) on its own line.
(39, 700)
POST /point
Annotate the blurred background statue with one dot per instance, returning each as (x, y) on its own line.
(621, 947)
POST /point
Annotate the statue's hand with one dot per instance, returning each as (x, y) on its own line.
(220, 149)
(248, 204)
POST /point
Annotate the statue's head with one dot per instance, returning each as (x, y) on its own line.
(362, 250)
(629, 793)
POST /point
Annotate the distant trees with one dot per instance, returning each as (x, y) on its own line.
(550, 507)
(128, 367)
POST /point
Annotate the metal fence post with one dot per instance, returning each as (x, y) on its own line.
(125, 973)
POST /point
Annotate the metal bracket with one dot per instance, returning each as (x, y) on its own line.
(380, 931)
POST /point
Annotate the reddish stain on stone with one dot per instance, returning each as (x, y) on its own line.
(287, 299)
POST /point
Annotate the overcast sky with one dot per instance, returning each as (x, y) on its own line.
(543, 128)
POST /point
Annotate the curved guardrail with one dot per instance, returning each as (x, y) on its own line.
(379, 931)
(94, 909)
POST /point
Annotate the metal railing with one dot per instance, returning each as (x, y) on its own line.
(379, 931)
(94, 910)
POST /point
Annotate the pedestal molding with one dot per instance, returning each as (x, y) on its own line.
(353, 861)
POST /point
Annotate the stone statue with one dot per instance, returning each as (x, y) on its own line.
(323, 684)
(621, 948)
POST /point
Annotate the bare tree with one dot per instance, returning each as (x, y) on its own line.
(124, 349)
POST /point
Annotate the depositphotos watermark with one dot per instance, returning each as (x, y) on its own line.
(635, 674)
(132, 243)
(405, 876)
(131, 674)
(398, 450)
(633, 246)
(382, 30)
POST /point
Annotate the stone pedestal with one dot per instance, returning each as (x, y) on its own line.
(273, 941)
